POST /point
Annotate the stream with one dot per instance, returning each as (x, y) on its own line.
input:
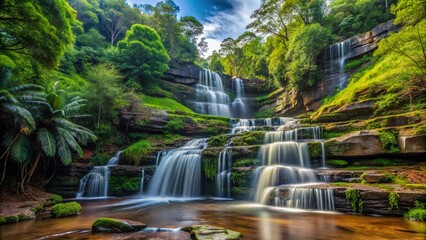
(254, 221)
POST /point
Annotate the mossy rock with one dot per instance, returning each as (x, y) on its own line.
(206, 232)
(218, 141)
(136, 153)
(113, 225)
(315, 149)
(2, 220)
(66, 209)
(248, 138)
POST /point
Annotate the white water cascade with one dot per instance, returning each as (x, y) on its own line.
(336, 55)
(223, 177)
(239, 107)
(285, 178)
(179, 172)
(246, 125)
(95, 183)
(211, 98)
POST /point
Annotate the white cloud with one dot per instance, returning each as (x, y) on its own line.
(229, 23)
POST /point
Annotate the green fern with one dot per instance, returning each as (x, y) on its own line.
(47, 141)
(20, 148)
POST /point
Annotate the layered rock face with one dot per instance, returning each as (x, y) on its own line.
(293, 103)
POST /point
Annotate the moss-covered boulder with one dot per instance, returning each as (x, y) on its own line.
(114, 225)
(206, 232)
(66, 209)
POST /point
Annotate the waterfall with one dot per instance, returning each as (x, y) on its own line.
(239, 107)
(223, 177)
(95, 183)
(323, 154)
(336, 55)
(294, 135)
(285, 161)
(142, 180)
(211, 98)
(246, 125)
(179, 172)
(306, 196)
(285, 153)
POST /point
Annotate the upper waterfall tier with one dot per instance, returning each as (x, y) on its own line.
(211, 98)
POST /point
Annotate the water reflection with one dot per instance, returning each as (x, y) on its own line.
(255, 221)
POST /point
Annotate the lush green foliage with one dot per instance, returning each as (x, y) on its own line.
(209, 166)
(141, 55)
(175, 124)
(136, 152)
(123, 185)
(389, 140)
(393, 200)
(66, 209)
(304, 48)
(315, 149)
(337, 163)
(354, 198)
(218, 141)
(417, 213)
(165, 103)
(248, 138)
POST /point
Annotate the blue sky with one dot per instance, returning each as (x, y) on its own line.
(221, 18)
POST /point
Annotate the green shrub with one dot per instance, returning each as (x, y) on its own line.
(12, 219)
(354, 198)
(176, 124)
(66, 209)
(315, 149)
(124, 185)
(389, 141)
(246, 162)
(393, 200)
(2, 220)
(337, 163)
(383, 162)
(417, 213)
(357, 63)
(248, 138)
(56, 198)
(265, 113)
(329, 135)
(100, 159)
(209, 168)
(218, 141)
(136, 152)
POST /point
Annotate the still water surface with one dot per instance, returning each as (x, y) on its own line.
(254, 221)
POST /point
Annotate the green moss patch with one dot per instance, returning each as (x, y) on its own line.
(315, 149)
(209, 166)
(417, 213)
(66, 209)
(135, 153)
(354, 198)
(248, 138)
(165, 103)
(123, 185)
(389, 140)
(112, 225)
(337, 163)
(218, 141)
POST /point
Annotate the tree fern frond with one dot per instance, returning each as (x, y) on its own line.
(20, 149)
(63, 150)
(20, 113)
(69, 138)
(47, 142)
(8, 138)
(25, 88)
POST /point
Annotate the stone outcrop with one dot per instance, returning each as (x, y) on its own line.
(206, 232)
(186, 74)
(115, 225)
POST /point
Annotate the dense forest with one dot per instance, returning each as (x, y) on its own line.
(67, 67)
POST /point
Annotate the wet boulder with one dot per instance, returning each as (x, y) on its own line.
(114, 225)
(206, 232)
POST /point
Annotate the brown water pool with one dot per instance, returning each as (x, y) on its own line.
(254, 221)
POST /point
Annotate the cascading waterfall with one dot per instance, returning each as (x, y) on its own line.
(95, 183)
(336, 54)
(286, 161)
(211, 98)
(239, 108)
(142, 180)
(223, 177)
(245, 125)
(294, 135)
(179, 172)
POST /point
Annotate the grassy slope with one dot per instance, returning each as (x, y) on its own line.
(164, 103)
